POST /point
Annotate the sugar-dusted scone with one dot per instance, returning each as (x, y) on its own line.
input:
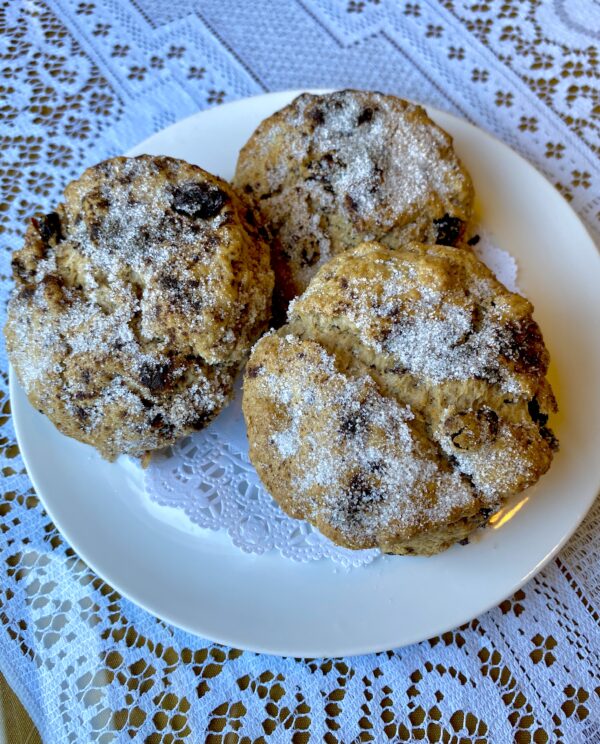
(330, 171)
(135, 303)
(404, 401)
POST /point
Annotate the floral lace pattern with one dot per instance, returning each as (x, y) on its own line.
(83, 80)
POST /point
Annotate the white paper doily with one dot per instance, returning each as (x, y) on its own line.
(209, 477)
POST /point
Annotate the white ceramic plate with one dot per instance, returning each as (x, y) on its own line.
(202, 583)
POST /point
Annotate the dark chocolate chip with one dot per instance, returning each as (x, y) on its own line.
(26, 293)
(154, 377)
(522, 343)
(486, 512)
(350, 203)
(344, 283)
(464, 541)
(365, 116)
(474, 240)
(476, 319)
(19, 269)
(317, 116)
(359, 493)
(548, 435)
(308, 257)
(536, 415)
(470, 430)
(349, 426)
(49, 227)
(489, 374)
(168, 281)
(81, 413)
(359, 487)
(157, 421)
(377, 467)
(354, 423)
(198, 200)
(200, 421)
(448, 229)
(491, 419)
(468, 479)
(211, 243)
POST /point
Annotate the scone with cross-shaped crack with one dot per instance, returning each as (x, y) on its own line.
(403, 402)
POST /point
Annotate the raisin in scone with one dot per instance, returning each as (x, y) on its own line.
(135, 303)
(330, 171)
(404, 401)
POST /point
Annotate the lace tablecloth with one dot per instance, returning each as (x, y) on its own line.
(85, 80)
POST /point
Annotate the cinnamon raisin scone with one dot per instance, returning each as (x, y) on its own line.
(135, 303)
(404, 401)
(330, 171)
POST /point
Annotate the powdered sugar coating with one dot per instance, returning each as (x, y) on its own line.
(393, 156)
(432, 326)
(359, 464)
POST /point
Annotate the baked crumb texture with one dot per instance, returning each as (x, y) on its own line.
(404, 401)
(136, 301)
(330, 171)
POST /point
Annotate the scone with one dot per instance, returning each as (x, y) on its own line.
(404, 401)
(135, 303)
(330, 171)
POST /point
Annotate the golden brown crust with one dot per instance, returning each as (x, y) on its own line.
(136, 301)
(403, 402)
(329, 171)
